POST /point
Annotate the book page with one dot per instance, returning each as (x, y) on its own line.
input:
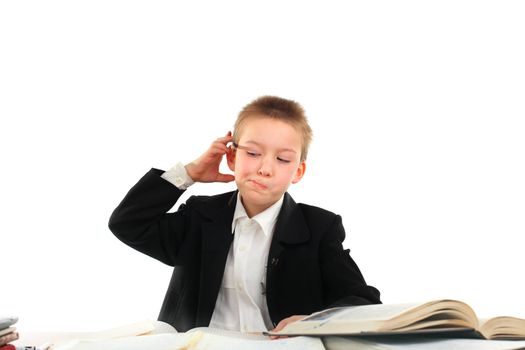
(138, 328)
(344, 343)
(165, 341)
(503, 327)
(376, 312)
(195, 340)
(231, 334)
(7, 330)
(352, 319)
(162, 327)
(132, 329)
(219, 342)
(442, 313)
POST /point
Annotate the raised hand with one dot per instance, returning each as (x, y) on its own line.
(206, 167)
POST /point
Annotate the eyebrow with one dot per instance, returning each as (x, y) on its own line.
(236, 145)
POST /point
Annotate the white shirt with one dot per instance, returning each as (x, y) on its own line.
(241, 303)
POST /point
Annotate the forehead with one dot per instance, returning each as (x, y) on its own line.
(270, 132)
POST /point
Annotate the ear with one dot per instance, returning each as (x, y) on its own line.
(299, 172)
(230, 157)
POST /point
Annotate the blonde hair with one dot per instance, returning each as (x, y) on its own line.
(281, 109)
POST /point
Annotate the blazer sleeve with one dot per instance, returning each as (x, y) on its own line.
(343, 282)
(142, 222)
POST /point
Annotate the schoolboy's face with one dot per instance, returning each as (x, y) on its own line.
(266, 162)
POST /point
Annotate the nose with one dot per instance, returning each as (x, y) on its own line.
(266, 167)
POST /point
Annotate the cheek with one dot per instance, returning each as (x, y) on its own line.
(286, 176)
(243, 167)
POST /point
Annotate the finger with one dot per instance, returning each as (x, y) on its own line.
(218, 147)
(225, 177)
(227, 136)
(278, 336)
(225, 139)
(284, 322)
(278, 328)
(280, 325)
(217, 144)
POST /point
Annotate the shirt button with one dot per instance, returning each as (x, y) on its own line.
(242, 248)
(239, 285)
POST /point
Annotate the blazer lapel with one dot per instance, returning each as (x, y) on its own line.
(216, 241)
(290, 228)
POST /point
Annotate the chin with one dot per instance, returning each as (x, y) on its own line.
(255, 197)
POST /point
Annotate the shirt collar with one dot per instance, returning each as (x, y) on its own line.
(265, 219)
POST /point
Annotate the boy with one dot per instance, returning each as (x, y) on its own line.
(252, 259)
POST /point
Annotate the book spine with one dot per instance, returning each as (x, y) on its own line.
(8, 347)
(7, 338)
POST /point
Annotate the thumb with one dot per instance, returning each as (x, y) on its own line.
(225, 178)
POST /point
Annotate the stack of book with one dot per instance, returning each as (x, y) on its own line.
(8, 333)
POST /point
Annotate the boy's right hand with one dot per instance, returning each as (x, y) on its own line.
(206, 167)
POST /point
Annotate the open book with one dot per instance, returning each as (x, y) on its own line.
(431, 317)
(418, 343)
(161, 336)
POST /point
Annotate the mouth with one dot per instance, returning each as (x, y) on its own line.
(258, 185)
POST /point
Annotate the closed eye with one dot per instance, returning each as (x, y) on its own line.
(252, 154)
(283, 160)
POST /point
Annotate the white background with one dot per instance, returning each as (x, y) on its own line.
(417, 107)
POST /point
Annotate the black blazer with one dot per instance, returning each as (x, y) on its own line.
(308, 269)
